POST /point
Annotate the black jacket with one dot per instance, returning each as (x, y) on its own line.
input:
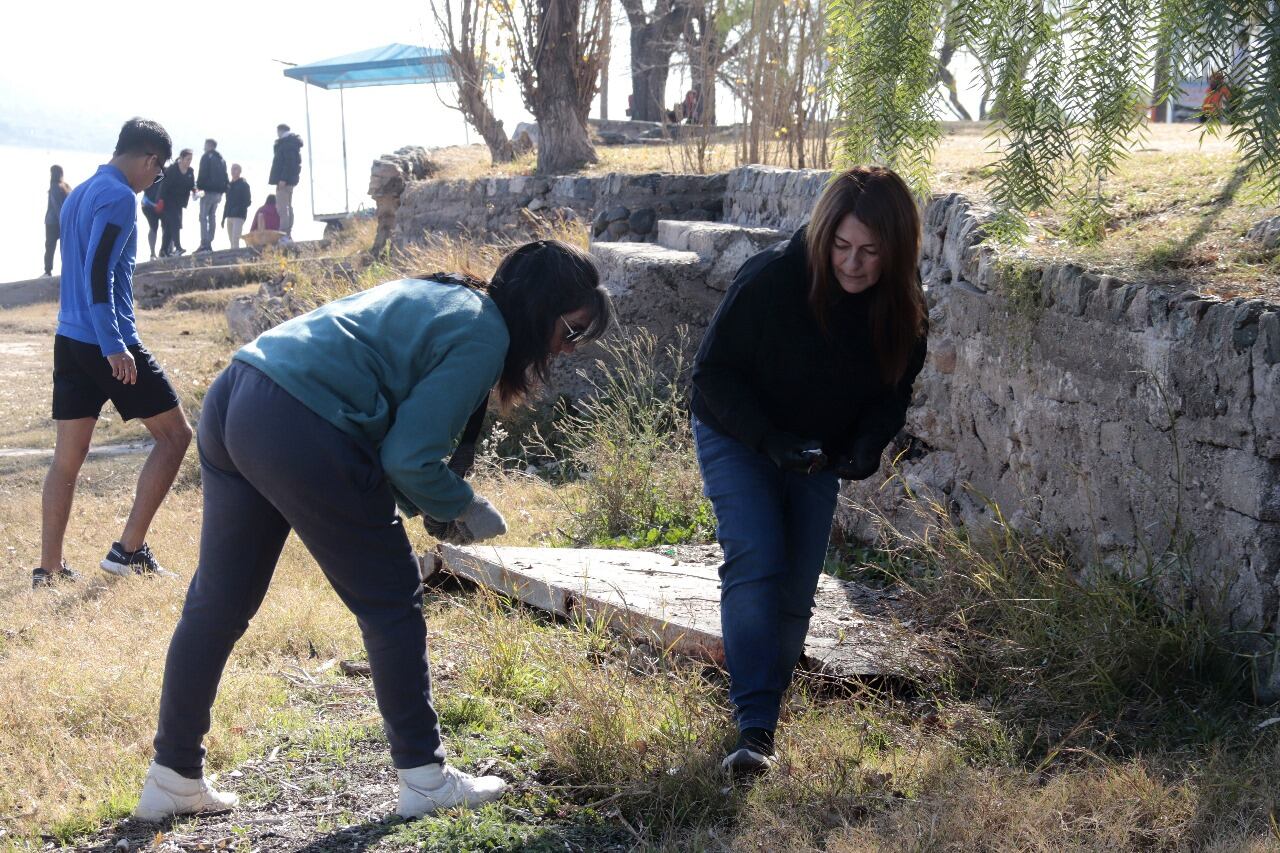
(53, 209)
(176, 187)
(286, 165)
(764, 365)
(213, 173)
(238, 200)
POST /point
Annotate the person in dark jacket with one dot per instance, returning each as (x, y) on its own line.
(151, 208)
(322, 426)
(239, 198)
(58, 192)
(176, 189)
(803, 378)
(212, 182)
(286, 171)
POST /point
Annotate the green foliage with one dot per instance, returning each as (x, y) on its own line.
(884, 73)
(1071, 80)
(631, 447)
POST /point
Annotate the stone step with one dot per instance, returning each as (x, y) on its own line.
(721, 245)
(653, 288)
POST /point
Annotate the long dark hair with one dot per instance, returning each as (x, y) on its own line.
(534, 286)
(882, 202)
(55, 179)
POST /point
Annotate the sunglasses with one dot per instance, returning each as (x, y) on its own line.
(572, 335)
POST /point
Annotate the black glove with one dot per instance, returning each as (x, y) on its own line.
(445, 531)
(479, 521)
(858, 465)
(463, 459)
(793, 454)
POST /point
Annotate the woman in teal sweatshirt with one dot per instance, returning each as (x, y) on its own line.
(323, 425)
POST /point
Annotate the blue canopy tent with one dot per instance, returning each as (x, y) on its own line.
(392, 65)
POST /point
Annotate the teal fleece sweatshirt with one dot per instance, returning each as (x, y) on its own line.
(399, 367)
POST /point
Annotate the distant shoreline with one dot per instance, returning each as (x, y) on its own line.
(44, 139)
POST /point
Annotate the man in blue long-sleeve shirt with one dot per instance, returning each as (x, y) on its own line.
(98, 356)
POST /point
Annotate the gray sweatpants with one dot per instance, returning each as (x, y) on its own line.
(268, 464)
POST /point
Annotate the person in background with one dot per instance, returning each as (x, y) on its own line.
(239, 197)
(267, 217)
(151, 208)
(177, 188)
(802, 380)
(1217, 98)
(58, 192)
(324, 425)
(286, 171)
(98, 356)
(212, 182)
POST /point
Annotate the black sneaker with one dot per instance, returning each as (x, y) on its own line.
(753, 754)
(41, 577)
(140, 562)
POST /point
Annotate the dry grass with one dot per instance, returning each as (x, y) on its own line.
(349, 267)
(609, 745)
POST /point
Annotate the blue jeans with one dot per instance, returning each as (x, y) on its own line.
(774, 526)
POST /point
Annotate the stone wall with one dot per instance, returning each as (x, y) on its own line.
(1138, 424)
(771, 197)
(1142, 426)
(620, 207)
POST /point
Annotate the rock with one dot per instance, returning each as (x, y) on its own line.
(642, 221)
(1267, 232)
(522, 144)
(526, 129)
(617, 213)
(617, 229)
(242, 319)
(599, 224)
(537, 204)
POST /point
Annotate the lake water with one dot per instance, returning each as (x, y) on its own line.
(25, 172)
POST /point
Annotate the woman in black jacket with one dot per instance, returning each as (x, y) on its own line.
(803, 379)
(176, 189)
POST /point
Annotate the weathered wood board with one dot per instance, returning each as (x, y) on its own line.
(676, 606)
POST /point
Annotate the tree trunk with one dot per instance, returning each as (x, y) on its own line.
(704, 49)
(475, 108)
(947, 79)
(653, 40)
(648, 80)
(563, 143)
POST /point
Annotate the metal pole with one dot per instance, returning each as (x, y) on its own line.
(604, 66)
(346, 193)
(311, 172)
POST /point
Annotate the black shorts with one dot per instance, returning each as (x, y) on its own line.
(82, 383)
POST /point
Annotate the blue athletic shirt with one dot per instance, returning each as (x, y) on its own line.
(99, 241)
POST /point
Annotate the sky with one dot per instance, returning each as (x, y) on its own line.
(215, 69)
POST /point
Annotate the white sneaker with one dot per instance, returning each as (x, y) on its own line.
(430, 787)
(167, 793)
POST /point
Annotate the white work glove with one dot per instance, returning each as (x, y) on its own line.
(479, 521)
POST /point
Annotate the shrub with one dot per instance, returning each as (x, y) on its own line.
(631, 446)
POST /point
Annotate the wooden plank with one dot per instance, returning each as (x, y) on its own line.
(676, 606)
